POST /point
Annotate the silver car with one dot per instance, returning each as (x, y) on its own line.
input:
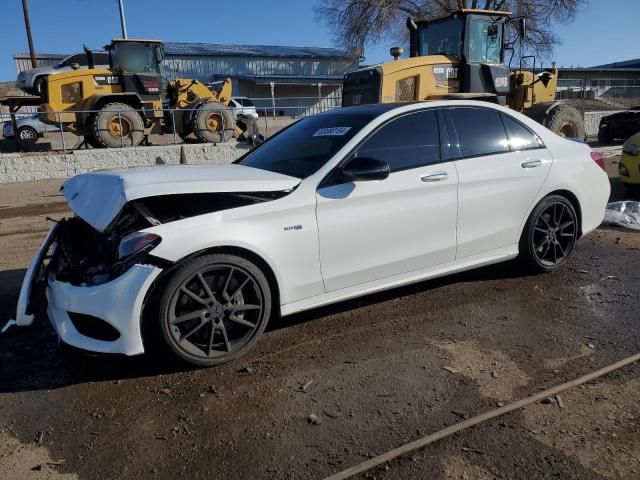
(31, 81)
(30, 128)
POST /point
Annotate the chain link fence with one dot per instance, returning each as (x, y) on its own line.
(271, 116)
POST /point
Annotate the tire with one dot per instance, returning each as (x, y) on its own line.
(553, 224)
(566, 121)
(213, 123)
(605, 134)
(38, 86)
(235, 305)
(26, 137)
(105, 126)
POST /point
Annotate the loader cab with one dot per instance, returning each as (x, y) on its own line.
(476, 38)
(138, 66)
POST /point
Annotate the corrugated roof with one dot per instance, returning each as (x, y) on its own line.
(279, 51)
(635, 63)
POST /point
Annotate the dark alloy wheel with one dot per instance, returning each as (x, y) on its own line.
(550, 234)
(214, 308)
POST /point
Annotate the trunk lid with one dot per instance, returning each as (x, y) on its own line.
(98, 197)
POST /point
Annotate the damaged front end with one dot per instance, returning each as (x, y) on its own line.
(77, 254)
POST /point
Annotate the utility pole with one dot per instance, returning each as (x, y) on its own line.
(123, 22)
(27, 24)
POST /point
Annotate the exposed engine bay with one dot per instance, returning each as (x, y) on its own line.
(84, 256)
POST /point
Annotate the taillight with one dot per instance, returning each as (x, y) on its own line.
(599, 160)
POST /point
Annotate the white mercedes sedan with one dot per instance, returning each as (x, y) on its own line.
(197, 259)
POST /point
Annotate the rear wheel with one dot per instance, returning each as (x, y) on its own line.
(26, 137)
(566, 121)
(213, 123)
(549, 235)
(214, 308)
(117, 125)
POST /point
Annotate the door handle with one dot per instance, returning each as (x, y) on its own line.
(434, 177)
(531, 164)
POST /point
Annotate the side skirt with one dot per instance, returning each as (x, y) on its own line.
(468, 263)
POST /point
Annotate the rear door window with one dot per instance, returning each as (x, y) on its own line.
(410, 141)
(480, 131)
(520, 137)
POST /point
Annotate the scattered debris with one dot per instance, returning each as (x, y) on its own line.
(331, 413)
(582, 271)
(623, 214)
(165, 391)
(37, 468)
(559, 400)
(494, 374)
(247, 370)
(472, 450)
(547, 401)
(212, 389)
(500, 404)
(313, 419)
(306, 387)
(39, 437)
(591, 346)
(460, 414)
(450, 369)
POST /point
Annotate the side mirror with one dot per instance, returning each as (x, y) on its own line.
(75, 66)
(522, 27)
(362, 169)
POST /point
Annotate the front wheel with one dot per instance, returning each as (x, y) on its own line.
(213, 309)
(26, 137)
(549, 235)
(117, 125)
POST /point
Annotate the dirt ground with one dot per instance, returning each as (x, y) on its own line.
(385, 369)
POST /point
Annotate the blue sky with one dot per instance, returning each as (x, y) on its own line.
(605, 31)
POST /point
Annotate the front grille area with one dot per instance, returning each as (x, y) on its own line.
(93, 327)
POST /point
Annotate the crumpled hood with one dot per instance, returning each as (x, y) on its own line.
(98, 197)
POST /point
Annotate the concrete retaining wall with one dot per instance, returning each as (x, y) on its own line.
(29, 167)
(592, 121)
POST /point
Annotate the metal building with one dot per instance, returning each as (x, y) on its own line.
(285, 80)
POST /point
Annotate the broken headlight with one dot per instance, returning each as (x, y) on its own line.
(137, 242)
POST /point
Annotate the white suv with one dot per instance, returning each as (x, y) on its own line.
(243, 107)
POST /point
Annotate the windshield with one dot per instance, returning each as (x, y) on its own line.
(136, 57)
(485, 41)
(444, 37)
(300, 150)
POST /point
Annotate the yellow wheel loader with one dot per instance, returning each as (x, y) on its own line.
(462, 56)
(122, 105)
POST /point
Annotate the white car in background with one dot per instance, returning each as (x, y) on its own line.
(243, 107)
(32, 80)
(338, 205)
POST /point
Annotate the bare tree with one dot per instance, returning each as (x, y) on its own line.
(357, 23)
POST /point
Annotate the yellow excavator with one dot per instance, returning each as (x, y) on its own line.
(122, 105)
(462, 56)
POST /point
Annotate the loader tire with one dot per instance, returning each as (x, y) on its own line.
(566, 121)
(112, 131)
(213, 123)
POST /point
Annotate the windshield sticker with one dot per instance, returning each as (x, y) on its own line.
(332, 132)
